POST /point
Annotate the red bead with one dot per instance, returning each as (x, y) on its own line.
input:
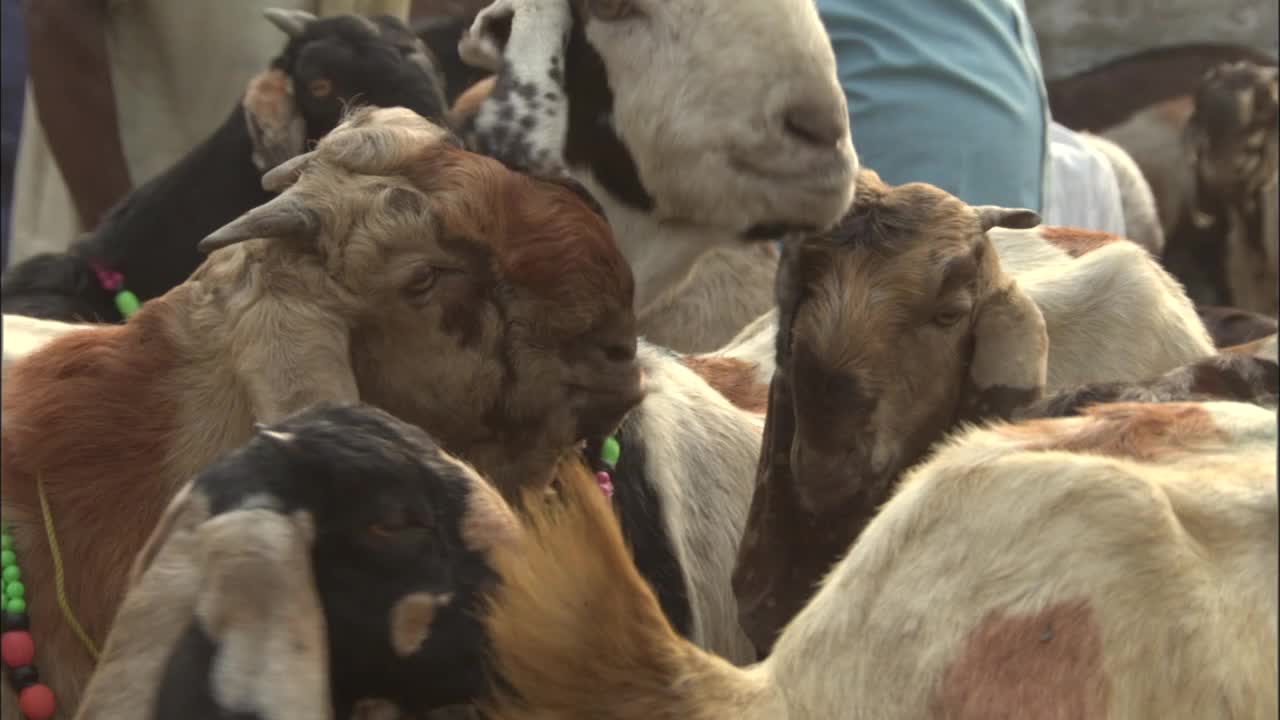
(17, 648)
(36, 702)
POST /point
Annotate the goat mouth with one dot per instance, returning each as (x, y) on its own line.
(819, 173)
(600, 410)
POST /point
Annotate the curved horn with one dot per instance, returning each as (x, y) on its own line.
(285, 216)
(291, 22)
(286, 173)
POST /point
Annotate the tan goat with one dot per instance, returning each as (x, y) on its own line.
(1121, 565)
(920, 313)
(490, 308)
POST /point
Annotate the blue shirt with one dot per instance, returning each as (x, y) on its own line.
(948, 92)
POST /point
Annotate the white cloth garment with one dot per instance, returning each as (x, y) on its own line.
(1081, 189)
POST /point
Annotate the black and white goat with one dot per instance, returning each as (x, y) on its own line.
(147, 244)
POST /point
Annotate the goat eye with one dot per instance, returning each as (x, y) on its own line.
(950, 316)
(320, 87)
(422, 282)
(611, 9)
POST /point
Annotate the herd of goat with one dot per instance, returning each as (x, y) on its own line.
(921, 459)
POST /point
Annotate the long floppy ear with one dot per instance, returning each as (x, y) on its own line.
(187, 510)
(483, 44)
(277, 130)
(1010, 355)
(291, 354)
(258, 605)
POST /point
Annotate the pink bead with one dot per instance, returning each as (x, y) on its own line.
(605, 482)
(36, 702)
(17, 648)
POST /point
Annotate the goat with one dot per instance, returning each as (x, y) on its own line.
(150, 237)
(1108, 95)
(1210, 157)
(918, 313)
(490, 308)
(1039, 565)
(1235, 141)
(335, 557)
(684, 160)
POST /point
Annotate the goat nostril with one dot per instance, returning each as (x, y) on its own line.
(815, 125)
(620, 353)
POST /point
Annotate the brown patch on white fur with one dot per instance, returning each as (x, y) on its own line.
(276, 128)
(734, 379)
(1077, 241)
(1143, 431)
(411, 620)
(1048, 664)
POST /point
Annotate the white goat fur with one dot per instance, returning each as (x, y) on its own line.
(1141, 218)
(690, 120)
(701, 458)
(1125, 581)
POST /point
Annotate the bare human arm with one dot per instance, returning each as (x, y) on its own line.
(75, 101)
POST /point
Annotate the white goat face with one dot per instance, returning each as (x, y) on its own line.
(650, 104)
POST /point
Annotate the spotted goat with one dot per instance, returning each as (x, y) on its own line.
(644, 102)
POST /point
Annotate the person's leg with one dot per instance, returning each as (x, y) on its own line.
(13, 77)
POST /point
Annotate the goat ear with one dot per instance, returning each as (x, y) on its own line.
(307, 359)
(257, 592)
(291, 22)
(284, 216)
(994, 216)
(183, 511)
(277, 130)
(483, 44)
(1009, 366)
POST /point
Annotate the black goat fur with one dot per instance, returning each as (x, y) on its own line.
(151, 235)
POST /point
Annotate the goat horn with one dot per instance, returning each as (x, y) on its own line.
(285, 216)
(286, 173)
(290, 22)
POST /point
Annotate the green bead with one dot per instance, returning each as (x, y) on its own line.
(15, 589)
(610, 451)
(127, 303)
(7, 558)
(11, 573)
(6, 542)
(16, 605)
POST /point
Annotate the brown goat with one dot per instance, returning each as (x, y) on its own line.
(888, 336)
(490, 308)
(917, 315)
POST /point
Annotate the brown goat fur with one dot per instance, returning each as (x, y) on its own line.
(892, 334)
(490, 308)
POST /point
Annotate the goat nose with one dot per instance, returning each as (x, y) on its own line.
(818, 124)
(619, 352)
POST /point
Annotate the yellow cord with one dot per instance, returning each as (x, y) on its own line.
(57, 569)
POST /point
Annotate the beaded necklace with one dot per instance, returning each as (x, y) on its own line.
(113, 282)
(17, 649)
(605, 453)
